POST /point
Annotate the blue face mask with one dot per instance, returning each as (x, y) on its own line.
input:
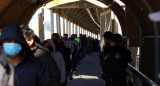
(12, 49)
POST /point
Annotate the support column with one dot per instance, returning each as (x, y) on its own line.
(91, 35)
(73, 28)
(69, 29)
(41, 25)
(76, 27)
(64, 27)
(66, 32)
(52, 22)
(57, 22)
(58, 25)
(79, 30)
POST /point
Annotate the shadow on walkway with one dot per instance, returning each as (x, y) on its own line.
(88, 73)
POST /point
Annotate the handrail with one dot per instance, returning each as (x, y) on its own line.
(141, 76)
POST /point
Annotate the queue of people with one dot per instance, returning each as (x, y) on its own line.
(26, 61)
(114, 60)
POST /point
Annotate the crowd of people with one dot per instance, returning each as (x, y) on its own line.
(114, 60)
(26, 61)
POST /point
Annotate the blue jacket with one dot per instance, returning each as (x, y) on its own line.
(29, 71)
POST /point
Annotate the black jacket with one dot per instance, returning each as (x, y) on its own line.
(29, 71)
(47, 60)
(66, 54)
(106, 50)
(115, 63)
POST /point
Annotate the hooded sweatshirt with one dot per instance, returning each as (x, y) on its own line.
(58, 57)
(44, 55)
(28, 72)
(7, 75)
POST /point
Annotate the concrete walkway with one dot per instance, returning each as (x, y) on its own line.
(88, 73)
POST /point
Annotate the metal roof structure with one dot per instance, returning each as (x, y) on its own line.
(134, 21)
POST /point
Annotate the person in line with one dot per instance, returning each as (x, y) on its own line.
(84, 46)
(106, 49)
(116, 62)
(16, 52)
(77, 43)
(80, 47)
(65, 50)
(44, 55)
(7, 74)
(58, 57)
(74, 53)
(69, 42)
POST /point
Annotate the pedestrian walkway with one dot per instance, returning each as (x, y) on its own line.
(88, 73)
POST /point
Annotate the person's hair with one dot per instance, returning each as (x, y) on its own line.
(56, 34)
(65, 34)
(37, 40)
(108, 35)
(28, 33)
(117, 38)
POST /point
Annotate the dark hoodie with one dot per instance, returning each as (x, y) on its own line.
(116, 61)
(29, 71)
(44, 55)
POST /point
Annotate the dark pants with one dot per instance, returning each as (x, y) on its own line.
(84, 52)
(73, 61)
(117, 81)
(78, 58)
(65, 83)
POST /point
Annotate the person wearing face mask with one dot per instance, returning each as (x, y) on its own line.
(16, 51)
(7, 74)
(57, 57)
(44, 55)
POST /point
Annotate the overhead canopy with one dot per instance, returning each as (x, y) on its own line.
(88, 18)
(18, 11)
(21, 11)
(82, 13)
(135, 23)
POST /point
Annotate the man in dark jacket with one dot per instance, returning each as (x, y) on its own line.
(106, 49)
(44, 55)
(116, 62)
(66, 52)
(15, 50)
(63, 50)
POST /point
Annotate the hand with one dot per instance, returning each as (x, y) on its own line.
(68, 73)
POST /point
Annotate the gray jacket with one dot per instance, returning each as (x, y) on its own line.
(69, 42)
(7, 75)
(58, 57)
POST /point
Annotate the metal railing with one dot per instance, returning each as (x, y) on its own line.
(144, 78)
